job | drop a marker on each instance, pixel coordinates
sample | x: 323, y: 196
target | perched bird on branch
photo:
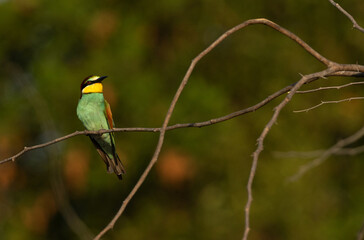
x: 95, y: 114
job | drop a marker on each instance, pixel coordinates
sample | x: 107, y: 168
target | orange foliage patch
x: 102, y: 26
x: 36, y: 217
x: 110, y: 94
x: 7, y: 175
x: 26, y: 6
x: 352, y: 109
x: 175, y: 168
x: 76, y: 169
x: 7, y: 171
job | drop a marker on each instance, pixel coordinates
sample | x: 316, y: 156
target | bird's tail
x: 113, y: 163
x: 117, y: 166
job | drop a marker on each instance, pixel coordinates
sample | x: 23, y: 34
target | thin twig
x: 328, y: 102
x: 325, y: 155
x: 350, y: 151
x: 329, y: 87
x: 355, y: 24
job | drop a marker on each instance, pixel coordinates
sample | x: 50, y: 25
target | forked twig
x: 328, y: 102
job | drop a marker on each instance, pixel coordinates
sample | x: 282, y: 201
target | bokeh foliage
x: 197, y: 189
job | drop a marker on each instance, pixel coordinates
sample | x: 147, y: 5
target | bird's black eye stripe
x: 96, y: 81
x: 90, y: 82
x: 85, y: 84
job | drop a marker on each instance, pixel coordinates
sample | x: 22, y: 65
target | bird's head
x: 92, y: 84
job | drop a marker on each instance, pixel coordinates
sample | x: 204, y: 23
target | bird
x: 95, y: 114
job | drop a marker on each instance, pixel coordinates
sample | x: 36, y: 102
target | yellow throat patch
x: 93, y: 88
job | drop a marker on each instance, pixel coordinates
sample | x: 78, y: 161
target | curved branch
x: 183, y: 84
x: 178, y: 93
x: 332, y: 68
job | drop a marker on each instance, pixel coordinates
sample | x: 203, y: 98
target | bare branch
x: 325, y: 155
x: 263, y: 135
x: 329, y: 102
x: 329, y: 88
x: 355, y: 24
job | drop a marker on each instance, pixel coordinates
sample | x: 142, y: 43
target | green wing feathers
x: 116, y: 163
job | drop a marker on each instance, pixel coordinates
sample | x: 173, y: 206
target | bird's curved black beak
x: 100, y: 79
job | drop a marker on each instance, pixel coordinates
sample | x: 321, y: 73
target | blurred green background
x: 197, y: 189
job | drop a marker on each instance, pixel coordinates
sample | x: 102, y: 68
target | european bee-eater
x: 95, y: 114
